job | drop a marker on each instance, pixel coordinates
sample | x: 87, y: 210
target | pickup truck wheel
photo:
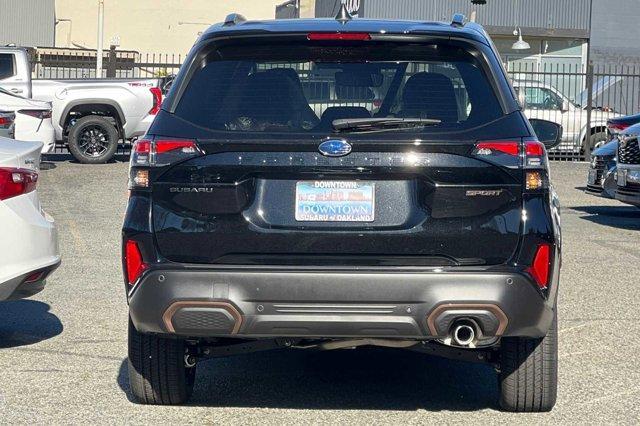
x: 157, y: 371
x: 529, y: 372
x: 93, y: 140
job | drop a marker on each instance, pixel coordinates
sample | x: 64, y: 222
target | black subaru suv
x: 327, y: 184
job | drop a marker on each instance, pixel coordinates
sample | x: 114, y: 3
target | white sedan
x: 32, y: 119
x: 29, y: 249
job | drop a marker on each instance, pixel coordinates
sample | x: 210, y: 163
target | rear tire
x: 157, y: 371
x: 93, y: 140
x: 529, y: 372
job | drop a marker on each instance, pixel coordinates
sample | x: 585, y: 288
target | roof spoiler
x: 234, y: 19
x: 458, y: 20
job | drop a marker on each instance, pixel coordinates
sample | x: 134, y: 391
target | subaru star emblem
x: 335, y: 148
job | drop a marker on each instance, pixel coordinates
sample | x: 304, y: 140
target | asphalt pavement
x: 63, y: 352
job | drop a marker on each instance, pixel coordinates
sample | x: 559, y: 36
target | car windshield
x: 306, y: 88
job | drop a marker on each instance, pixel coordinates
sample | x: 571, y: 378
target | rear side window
x: 7, y: 66
x: 304, y: 88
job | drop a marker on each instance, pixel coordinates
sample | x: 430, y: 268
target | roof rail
x: 458, y: 20
x: 234, y: 19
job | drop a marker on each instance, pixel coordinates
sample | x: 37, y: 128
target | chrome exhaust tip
x: 465, y: 333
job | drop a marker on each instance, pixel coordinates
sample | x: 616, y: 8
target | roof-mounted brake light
x: 339, y: 36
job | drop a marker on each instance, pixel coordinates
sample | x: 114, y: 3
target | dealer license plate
x: 335, y: 201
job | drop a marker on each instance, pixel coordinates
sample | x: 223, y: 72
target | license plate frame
x: 335, y: 201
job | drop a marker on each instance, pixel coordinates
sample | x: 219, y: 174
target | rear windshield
x: 305, y: 88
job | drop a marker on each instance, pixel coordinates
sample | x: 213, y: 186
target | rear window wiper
x: 381, y: 124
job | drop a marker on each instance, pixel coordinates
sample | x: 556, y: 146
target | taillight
x: 40, y: 114
x: 6, y: 119
x: 339, y: 36
x: 498, y: 147
x: 616, y: 127
x: 158, y: 152
x: 533, y: 148
x: 501, y: 152
x: 14, y: 182
x: 536, y: 165
x: 539, y: 270
x: 529, y: 153
x: 184, y: 146
x: 133, y: 261
x: 156, y: 92
x: 161, y: 152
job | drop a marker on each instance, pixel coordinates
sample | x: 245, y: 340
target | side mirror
x: 565, y: 105
x: 548, y: 132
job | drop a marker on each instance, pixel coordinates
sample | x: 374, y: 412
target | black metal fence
x: 551, y: 91
x: 560, y: 93
x: 58, y: 63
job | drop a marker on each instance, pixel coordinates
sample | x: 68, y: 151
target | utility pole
x: 100, y: 38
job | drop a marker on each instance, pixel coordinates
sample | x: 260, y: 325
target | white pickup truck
x: 90, y: 116
x: 545, y: 102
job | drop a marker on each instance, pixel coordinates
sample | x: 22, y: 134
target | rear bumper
x: 29, y: 243
x: 323, y: 304
x: 22, y: 286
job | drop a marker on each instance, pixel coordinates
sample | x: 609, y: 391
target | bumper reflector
x: 133, y: 260
x: 540, y: 268
x: 33, y: 277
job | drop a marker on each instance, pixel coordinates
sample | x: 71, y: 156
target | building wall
x: 150, y: 26
x: 330, y: 8
x: 615, y: 32
x: 536, y: 17
x: 292, y: 9
x: 557, y: 31
x: 28, y: 23
x: 288, y: 10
